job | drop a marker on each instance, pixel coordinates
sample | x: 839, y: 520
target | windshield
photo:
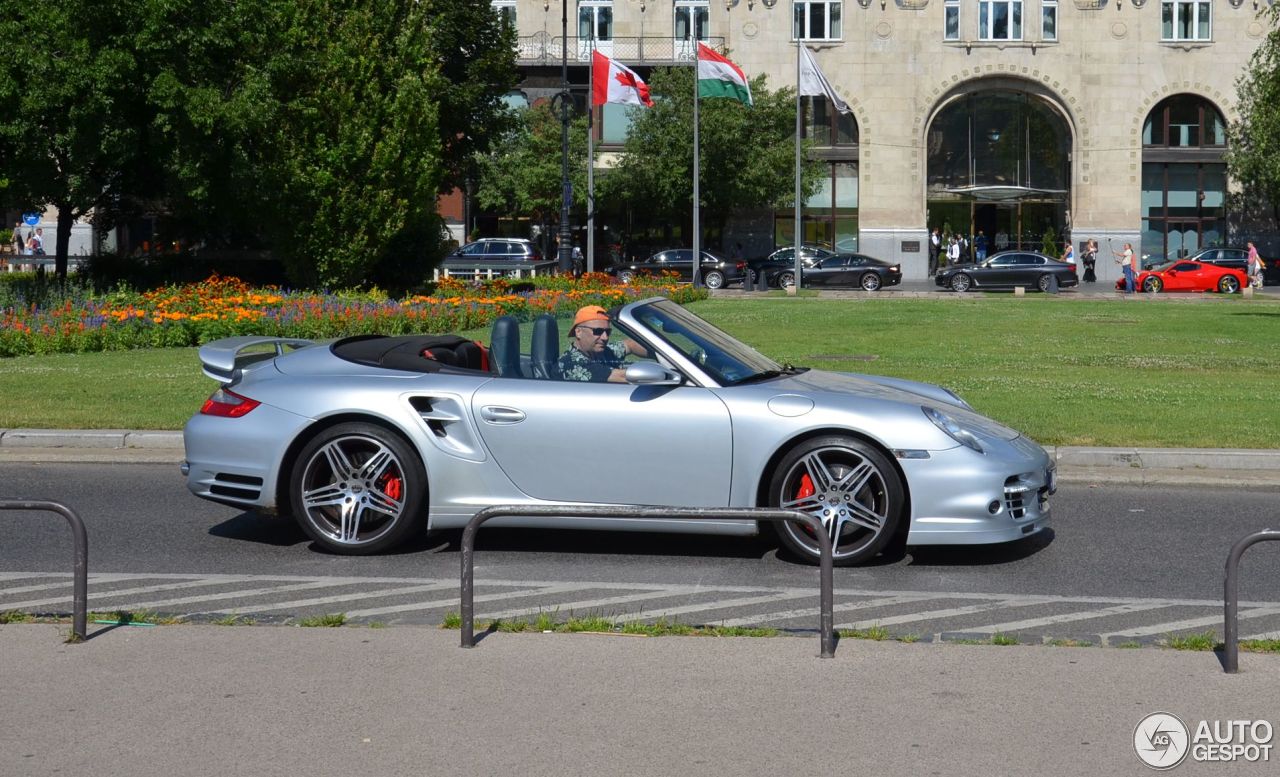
x: 723, y: 358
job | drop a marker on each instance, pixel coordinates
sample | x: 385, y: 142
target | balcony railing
x: 544, y: 49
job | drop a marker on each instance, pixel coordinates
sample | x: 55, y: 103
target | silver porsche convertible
x: 370, y: 440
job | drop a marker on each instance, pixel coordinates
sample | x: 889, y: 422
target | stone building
x: 1017, y: 118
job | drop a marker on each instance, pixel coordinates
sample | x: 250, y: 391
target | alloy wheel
x: 353, y: 490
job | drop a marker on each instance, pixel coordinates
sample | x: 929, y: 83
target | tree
x: 522, y: 175
x: 747, y: 158
x: 1253, y: 142
x: 71, y: 128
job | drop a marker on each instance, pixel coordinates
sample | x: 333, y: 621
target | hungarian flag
x: 613, y: 82
x: 718, y: 77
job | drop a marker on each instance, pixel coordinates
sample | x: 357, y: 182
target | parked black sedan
x: 1006, y: 270
x: 846, y: 271
x: 784, y: 259
x: 716, y: 272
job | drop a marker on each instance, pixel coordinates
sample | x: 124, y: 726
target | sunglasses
x: 597, y: 330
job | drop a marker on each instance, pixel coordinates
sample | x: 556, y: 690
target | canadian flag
x: 613, y: 82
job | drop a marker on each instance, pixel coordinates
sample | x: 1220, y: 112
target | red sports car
x: 1184, y: 275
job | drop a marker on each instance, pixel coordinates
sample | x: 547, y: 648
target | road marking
x: 716, y: 605
x: 326, y: 600
x: 586, y: 604
x: 1033, y: 623
x: 214, y: 597
x: 812, y: 612
x: 457, y: 602
x: 125, y: 592
x: 1264, y: 635
x: 931, y: 614
x: 1193, y: 623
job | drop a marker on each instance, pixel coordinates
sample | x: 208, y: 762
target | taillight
x: 227, y: 404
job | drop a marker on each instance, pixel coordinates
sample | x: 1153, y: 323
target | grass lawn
x: 1070, y: 372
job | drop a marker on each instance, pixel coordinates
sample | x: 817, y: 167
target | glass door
x: 691, y: 26
x: 595, y: 25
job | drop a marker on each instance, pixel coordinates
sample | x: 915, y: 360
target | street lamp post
x: 566, y: 237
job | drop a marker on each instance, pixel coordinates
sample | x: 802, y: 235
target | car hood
x: 836, y: 388
x: 961, y: 266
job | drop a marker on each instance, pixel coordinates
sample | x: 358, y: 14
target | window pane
x: 1152, y: 190
x: 835, y: 21
x: 822, y: 197
x: 682, y: 23
x: 604, y: 25
x: 1217, y: 130
x: 952, y: 29
x: 700, y: 22
x: 1203, y: 29
x: 1049, y: 29
x: 615, y: 122
x: 1184, y: 184
x: 1214, y: 180
x: 846, y: 186
x: 1015, y: 28
x: 797, y: 20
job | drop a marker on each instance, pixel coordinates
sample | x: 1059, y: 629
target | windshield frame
x: 727, y: 361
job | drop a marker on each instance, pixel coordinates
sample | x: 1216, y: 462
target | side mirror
x: 652, y: 374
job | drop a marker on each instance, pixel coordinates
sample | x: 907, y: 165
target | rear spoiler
x: 222, y: 359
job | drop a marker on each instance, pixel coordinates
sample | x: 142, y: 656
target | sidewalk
x: 219, y: 700
x: 1134, y: 466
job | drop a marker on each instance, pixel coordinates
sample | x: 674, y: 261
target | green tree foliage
x: 522, y: 175
x: 1253, y: 142
x: 73, y: 109
x: 747, y: 158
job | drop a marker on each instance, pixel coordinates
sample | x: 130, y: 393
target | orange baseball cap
x: 590, y: 313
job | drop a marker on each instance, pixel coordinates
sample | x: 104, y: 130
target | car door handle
x: 496, y: 414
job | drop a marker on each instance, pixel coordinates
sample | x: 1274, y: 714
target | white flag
x: 814, y: 83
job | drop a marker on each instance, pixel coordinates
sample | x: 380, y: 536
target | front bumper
x: 961, y: 497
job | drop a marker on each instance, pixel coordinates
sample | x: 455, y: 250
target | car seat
x: 504, y: 347
x: 545, y: 349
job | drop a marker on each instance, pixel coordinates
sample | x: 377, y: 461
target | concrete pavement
x: 219, y: 700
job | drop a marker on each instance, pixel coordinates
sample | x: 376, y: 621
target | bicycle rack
x: 825, y: 563
x: 1231, y: 598
x: 80, y: 571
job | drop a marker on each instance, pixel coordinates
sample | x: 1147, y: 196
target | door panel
x: 608, y: 442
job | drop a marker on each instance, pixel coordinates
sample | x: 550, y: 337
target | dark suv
x: 496, y: 249
x: 716, y: 272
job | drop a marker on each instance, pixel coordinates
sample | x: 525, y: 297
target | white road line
x: 212, y: 597
x: 587, y: 604
x: 325, y: 600
x: 1264, y: 635
x: 931, y: 614
x: 457, y: 601
x: 1193, y: 623
x: 123, y: 592
x: 1068, y: 617
x: 720, y: 604
x: 810, y: 612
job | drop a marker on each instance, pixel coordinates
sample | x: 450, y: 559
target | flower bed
x: 221, y: 307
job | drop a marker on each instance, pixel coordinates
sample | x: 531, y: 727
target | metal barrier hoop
x: 80, y: 570
x: 1231, y: 598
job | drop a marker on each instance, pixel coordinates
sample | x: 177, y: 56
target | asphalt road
x: 1121, y: 563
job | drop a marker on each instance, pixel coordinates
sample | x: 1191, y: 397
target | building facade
x: 1031, y: 121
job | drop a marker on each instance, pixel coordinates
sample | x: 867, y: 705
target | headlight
x: 953, y: 428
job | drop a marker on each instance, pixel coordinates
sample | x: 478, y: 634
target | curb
x: 93, y: 439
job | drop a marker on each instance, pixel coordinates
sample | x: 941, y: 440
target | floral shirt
x: 576, y: 365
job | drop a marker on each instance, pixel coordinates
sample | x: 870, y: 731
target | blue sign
x: 31, y: 219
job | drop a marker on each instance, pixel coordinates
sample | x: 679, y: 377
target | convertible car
x: 1186, y: 275
x: 370, y: 440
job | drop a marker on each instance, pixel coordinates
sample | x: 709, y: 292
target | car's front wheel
x: 1152, y: 285
x: 358, y: 489
x: 1043, y: 282
x: 713, y: 279
x: 850, y: 487
x: 626, y: 276
x: 870, y: 282
x: 961, y: 282
x: 1228, y: 284
x: 786, y: 279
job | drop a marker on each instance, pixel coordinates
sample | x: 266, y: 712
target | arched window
x: 1184, y: 177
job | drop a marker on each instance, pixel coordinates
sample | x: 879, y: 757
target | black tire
x: 1152, y: 285
x: 786, y: 279
x: 626, y: 276
x: 1042, y: 283
x: 366, y: 469
x: 861, y: 501
x: 1228, y: 284
x: 713, y: 279
x: 961, y: 282
x: 870, y: 282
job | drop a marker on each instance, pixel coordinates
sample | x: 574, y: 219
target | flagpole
x: 795, y: 286
x: 697, y: 195
x: 591, y: 157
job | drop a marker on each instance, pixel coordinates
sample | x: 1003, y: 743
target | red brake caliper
x: 806, y: 489
x: 392, y: 486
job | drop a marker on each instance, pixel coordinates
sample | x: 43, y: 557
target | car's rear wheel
x: 713, y: 279
x: 1042, y: 283
x: 1152, y: 285
x: 358, y: 489
x: 961, y: 282
x: 848, y: 485
x: 786, y: 279
x: 870, y: 282
x: 1228, y: 284
x: 626, y: 276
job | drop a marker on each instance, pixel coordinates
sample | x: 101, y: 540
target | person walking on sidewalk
x: 1128, y: 262
x: 1090, y: 258
x: 1254, y: 265
x: 935, y: 247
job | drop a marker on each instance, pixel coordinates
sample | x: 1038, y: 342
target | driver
x: 591, y: 356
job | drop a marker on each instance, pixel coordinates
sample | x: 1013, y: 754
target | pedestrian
x: 1069, y: 255
x: 19, y: 245
x: 1090, y: 258
x: 1255, y: 266
x: 964, y: 246
x: 953, y: 251
x: 935, y: 247
x: 980, y: 246
x: 38, y: 249
x: 1128, y: 262
x: 578, y: 265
